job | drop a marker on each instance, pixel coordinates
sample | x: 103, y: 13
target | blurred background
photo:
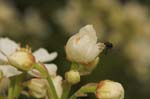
x: 125, y: 23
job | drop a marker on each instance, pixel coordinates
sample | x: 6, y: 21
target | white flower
x: 83, y: 47
x: 8, y: 47
x: 109, y: 90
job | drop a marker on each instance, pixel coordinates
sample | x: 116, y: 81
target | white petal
x: 88, y: 30
x: 3, y: 59
x: 8, y: 46
x: 9, y: 71
x: 52, y: 69
x: 42, y: 55
x: 58, y: 85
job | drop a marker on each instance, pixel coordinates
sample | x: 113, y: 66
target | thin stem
x: 74, y: 66
x: 84, y: 90
x: 10, y: 89
x: 67, y: 88
x: 10, y: 92
x: 49, y: 96
x: 17, y: 85
x: 54, y: 94
x: 49, y: 91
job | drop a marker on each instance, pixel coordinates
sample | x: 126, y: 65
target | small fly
x: 108, y: 46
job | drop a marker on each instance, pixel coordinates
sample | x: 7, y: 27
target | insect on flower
x: 108, y: 46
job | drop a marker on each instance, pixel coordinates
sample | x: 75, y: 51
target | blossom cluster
x: 30, y: 73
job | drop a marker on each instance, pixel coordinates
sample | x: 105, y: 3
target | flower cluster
x: 16, y: 61
x: 29, y: 73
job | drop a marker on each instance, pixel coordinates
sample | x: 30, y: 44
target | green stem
x: 67, y: 88
x: 53, y: 90
x: 17, y: 86
x: 49, y: 95
x: 10, y: 92
x: 84, y: 90
x: 45, y: 74
x: 10, y: 89
x: 74, y: 66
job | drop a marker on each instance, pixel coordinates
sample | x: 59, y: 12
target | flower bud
x: 83, y: 47
x: 72, y: 76
x: 37, y: 87
x: 22, y: 59
x: 109, y: 90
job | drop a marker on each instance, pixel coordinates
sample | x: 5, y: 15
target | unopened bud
x: 72, y: 76
x: 109, y: 90
x: 83, y: 47
x: 37, y: 87
x: 22, y: 59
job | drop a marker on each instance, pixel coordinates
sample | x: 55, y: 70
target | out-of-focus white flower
x: 83, y: 47
x: 109, y: 90
x: 32, y: 17
x: 70, y: 16
x: 72, y: 76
